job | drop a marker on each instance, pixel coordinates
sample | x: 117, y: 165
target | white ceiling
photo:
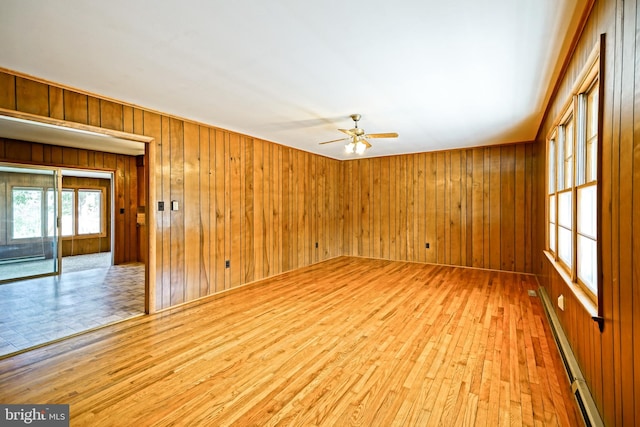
x: 443, y: 74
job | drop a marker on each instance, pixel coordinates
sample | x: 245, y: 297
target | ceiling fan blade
x: 334, y: 140
x: 382, y: 135
x: 365, y: 142
x: 348, y: 132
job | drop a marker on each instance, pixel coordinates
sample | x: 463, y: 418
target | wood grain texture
x: 390, y: 343
x: 230, y: 208
x: 467, y: 204
x: 609, y: 360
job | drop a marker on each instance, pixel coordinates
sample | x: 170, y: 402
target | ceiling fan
x: 358, y: 138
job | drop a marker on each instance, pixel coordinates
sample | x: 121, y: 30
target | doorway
x: 78, y: 301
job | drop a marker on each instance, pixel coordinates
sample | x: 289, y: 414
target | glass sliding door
x: 29, y: 225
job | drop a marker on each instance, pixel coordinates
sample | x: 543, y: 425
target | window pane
x: 552, y: 208
x: 587, y: 211
x: 68, y: 212
x: 560, y: 160
x: 564, y: 209
x: 89, y: 211
x: 587, y: 263
x: 552, y: 166
x: 564, y: 245
x: 592, y: 134
x: 27, y: 212
x: 568, y: 154
x: 552, y: 237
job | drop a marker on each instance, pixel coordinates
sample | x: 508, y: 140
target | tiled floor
x: 37, y: 311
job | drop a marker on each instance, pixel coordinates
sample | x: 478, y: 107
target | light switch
x: 174, y: 205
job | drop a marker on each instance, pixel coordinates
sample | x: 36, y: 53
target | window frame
x: 103, y: 212
x: 43, y: 218
x: 577, y: 106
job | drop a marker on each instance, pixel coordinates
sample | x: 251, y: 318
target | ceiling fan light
x: 350, y: 147
x: 360, y: 147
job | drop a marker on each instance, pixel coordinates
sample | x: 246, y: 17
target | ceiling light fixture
x: 355, y: 146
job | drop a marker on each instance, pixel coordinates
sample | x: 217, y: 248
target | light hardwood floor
x: 349, y: 341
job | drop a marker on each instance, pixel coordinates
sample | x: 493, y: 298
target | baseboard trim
x: 579, y: 386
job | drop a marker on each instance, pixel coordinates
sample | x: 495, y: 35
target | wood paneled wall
x: 260, y: 206
x: 125, y: 182
x: 473, y: 207
x: 609, y: 360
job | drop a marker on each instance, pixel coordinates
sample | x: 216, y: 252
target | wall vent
x: 579, y: 387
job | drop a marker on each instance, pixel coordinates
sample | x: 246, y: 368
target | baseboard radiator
x: 578, y: 384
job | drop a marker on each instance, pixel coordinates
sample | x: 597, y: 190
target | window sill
x: 585, y: 300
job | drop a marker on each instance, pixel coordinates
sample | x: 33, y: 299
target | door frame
x: 149, y: 183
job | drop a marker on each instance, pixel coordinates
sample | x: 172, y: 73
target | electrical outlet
x: 561, y: 302
x: 227, y: 264
x: 160, y: 206
x: 316, y: 245
x: 426, y: 246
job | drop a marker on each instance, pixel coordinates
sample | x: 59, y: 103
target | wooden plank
x: 354, y: 226
x: 127, y: 119
x: 258, y: 209
x: 32, y: 97
x: 635, y: 285
x: 507, y: 212
x: 132, y: 208
x: 120, y: 237
x: 495, y: 197
x: 222, y: 209
x: 528, y: 220
x: 207, y: 217
x: 270, y: 218
x: 447, y: 207
x: 56, y: 103
x: 287, y: 194
x: 467, y: 208
x: 193, y: 224
x: 455, y: 206
x: 248, y: 213
x: 7, y: 91
x: 626, y: 213
x: 311, y: 192
x: 364, y: 179
x: 76, y: 107
x: 410, y: 230
x: 235, y: 195
x: 276, y: 178
x: 441, y: 244
x: 431, y: 207
x: 94, y: 113
x: 486, y: 186
x: 403, y: 203
x: 519, y: 199
x: 384, y: 208
x: 111, y: 115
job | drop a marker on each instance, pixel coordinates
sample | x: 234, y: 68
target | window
x: 27, y: 212
x: 89, y: 211
x: 572, y: 196
x: 83, y: 212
